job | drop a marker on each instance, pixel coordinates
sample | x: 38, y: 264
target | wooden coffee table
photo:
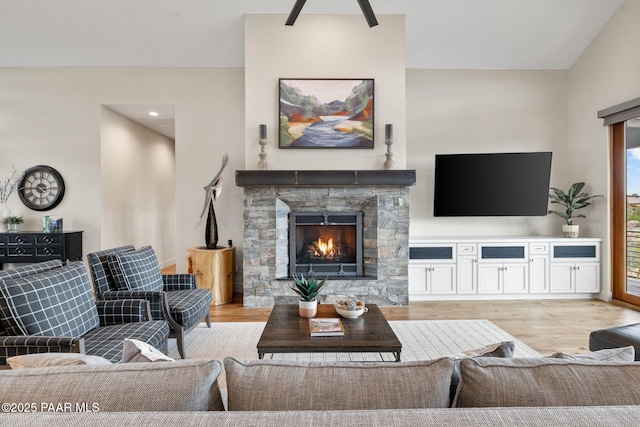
x: 287, y: 332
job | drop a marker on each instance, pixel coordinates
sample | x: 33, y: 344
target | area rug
x: 421, y: 340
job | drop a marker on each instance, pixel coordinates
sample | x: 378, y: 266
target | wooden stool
x: 215, y: 270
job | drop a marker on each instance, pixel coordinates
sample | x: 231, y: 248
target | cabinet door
x: 443, y: 279
x: 418, y: 279
x: 489, y: 278
x: 539, y: 274
x: 467, y: 274
x: 561, y: 278
x: 587, y: 277
x: 515, y: 278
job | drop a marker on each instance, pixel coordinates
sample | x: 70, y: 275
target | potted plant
x: 7, y: 187
x: 308, y: 289
x: 13, y: 223
x: 572, y: 201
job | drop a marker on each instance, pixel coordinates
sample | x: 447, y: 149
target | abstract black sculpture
x: 213, y: 190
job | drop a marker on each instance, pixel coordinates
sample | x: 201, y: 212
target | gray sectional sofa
x: 493, y: 391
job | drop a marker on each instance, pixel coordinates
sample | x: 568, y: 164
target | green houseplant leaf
x: 13, y: 220
x: 572, y: 201
x: 307, y: 289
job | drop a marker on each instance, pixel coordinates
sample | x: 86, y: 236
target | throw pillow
x: 8, y: 325
x: 136, y: 270
x: 541, y: 382
x: 40, y: 360
x: 500, y: 349
x: 621, y: 354
x: 55, y: 303
x: 281, y: 385
x: 139, y: 351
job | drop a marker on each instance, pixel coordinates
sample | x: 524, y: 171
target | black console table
x: 31, y: 247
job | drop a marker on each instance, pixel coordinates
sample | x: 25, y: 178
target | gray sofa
x: 268, y: 392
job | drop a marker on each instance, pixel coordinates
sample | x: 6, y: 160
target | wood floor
x: 545, y: 325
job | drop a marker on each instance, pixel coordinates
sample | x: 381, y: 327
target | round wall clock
x: 42, y: 188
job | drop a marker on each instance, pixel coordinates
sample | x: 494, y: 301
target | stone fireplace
x: 349, y: 226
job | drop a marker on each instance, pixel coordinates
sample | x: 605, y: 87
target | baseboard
x: 167, y: 263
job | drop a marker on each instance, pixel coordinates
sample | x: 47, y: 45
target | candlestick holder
x: 388, y: 140
x: 262, y: 140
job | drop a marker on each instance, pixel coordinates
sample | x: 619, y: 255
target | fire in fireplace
x: 328, y: 244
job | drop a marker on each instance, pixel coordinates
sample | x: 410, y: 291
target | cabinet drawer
x: 565, y: 252
x: 19, y: 251
x: 21, y: 239
x: 431, y: 253
x: 538, y: 248
x: 49, y: 251
x: 49, y: 239
x: 515, y: 252
x: 467, y: 249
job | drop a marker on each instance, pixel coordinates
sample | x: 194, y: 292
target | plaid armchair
x: 48, y: 307
x: 127, y: 273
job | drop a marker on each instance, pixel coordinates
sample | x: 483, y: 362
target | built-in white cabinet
x: 502, y: 278
x: 489, y: 268
x: 538, y: 267
x: 433, y: 270
x: 575, y: 267
x: 467, y: 268
x: 503, y: 268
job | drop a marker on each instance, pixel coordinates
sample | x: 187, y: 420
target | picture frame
x: 326, y: 113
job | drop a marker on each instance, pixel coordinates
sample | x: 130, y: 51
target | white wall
x: 474, y: 111
x: 606, y: 74
x: 138, y: 187
x: 324, y: 46
x: 53, y: 116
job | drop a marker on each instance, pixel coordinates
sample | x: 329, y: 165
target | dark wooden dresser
x: 30, y: 247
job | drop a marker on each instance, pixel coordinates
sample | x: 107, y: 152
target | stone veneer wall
x: 385, y: 213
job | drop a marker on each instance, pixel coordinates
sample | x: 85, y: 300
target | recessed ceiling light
x: 153, y: 113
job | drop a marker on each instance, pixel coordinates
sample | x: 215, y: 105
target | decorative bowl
x: 350, y: 314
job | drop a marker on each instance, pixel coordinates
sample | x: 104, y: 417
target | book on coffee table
x: 327, y: 327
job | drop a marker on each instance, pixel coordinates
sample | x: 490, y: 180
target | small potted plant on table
x: 308, y: 289
x: 572, y: 201
x: 13, y: 223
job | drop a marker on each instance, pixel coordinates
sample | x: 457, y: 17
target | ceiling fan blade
x: 368, y: 13
x: 295, y: 12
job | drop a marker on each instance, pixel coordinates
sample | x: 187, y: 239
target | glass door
x: 632, y: 151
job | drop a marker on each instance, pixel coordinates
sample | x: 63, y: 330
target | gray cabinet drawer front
x: 55, y: 251
x: 49, y: 239
x: 440, y: 252
x: 19, y: 251
x: 580, y: 251
x: 21, y: 239
x: 503, y: 252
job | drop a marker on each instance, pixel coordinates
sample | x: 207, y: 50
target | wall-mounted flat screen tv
x: 492, y: 184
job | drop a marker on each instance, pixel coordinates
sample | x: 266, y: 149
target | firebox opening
x: 326, y: 244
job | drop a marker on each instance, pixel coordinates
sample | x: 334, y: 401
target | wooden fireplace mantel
x: 268, y: 178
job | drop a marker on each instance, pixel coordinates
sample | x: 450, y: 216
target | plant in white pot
x: 572, y: 201
x: 308, y: 289
x: 13, y: 223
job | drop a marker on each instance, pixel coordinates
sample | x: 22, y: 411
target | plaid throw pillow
x: 8, y: 325
x: 136, y: 270
x: 59, y: 302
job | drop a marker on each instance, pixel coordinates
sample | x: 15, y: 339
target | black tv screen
x: 492, y: 184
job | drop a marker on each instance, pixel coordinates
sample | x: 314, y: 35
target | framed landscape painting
x: 326, y: 113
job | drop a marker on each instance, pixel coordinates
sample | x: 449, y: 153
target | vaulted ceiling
x: 473, y: 34
x: 463, y: 34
